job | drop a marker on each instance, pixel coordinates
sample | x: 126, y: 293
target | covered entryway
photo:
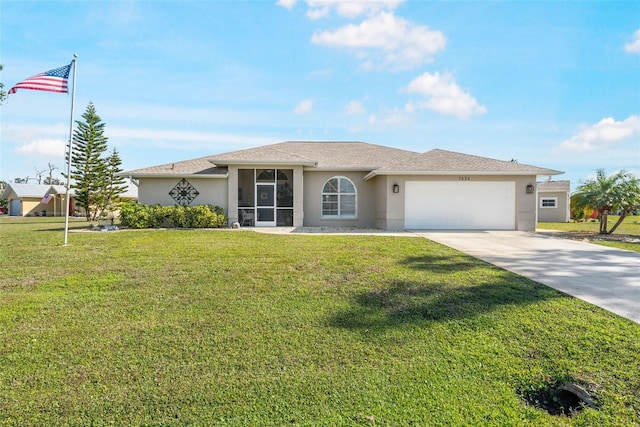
x: 460, y: 205
x: 265, y: 197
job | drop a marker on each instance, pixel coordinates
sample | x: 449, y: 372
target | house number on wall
x: 464, y: 178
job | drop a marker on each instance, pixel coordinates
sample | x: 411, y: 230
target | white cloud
x: 402, y: 44
x: 634, y: 46
x: 443, y: 95
x: 35, y: 145
x: 126, y: 134
x: 348, y: 9
x: 410, y: 107
x: 287, y: 4
x: 304, y: 107
x: 396, y: 118
x: 601, y: 135
x: 46, y: 147
x: 355, y: 108
x: 390, y: 117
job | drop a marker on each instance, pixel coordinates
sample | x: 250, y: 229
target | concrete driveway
x: 606, y: 277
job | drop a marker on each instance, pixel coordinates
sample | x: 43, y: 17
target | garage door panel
x: 465, y: 205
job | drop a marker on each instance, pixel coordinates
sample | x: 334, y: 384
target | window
x: 548, y: 202
x: 339, y: 198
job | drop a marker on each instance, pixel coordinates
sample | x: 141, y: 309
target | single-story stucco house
x: 351, y: 184
x: 554, y: 201
x: 29, y: 199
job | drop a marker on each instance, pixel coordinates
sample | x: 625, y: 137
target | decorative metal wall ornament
x: 184, y: 193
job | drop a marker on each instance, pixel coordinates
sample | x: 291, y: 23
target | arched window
x: 339, y: 198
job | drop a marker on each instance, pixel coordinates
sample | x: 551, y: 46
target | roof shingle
x: 443, y: 161
x: 377, y: 159
x: 321, y: 155
x: 554, y: 186
x: 199, y: 166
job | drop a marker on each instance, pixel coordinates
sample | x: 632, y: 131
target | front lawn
x: 626, y: 236
x: 210, y: 327
x: 630, y: 225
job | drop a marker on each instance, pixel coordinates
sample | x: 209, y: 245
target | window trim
x: 546, y: 199
x: 340, y: 215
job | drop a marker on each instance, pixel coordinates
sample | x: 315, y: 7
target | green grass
x: 193, y: 327
x: 629, y: 227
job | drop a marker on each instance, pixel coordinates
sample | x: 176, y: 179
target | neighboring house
x: 554, y: 201
x: 352, y: 184
x: 29, y: 199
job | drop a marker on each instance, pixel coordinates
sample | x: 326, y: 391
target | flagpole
x: 70, y: 149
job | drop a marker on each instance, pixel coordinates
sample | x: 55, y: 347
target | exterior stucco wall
x: 31, y: 206
x: 392, y: 218
x: 389, y: 205
x: 526, y: 214
x: 366, y: 207
x: 558, y: 214
x: 377, y: 205
x: 212, y: 191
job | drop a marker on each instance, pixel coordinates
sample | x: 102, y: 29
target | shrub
x: 159, y: 216
x: 178, y: 217
x: 134, y: 215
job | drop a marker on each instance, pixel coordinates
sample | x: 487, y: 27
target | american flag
x: 47, y: 198
x: 51, y: 81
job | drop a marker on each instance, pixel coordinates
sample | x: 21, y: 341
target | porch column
x: 232, y: 194
x: 298, y: 197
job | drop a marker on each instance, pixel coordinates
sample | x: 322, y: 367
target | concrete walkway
x: 603, y: 276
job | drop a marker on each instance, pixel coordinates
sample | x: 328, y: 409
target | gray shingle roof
x: 554, y: 186
x: 377, y: 159
x: 446, y: 162
x: 320, y: 155
x: 199, y: 166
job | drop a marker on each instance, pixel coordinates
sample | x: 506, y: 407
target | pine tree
x: 115, y: 184
x: 88, y: 167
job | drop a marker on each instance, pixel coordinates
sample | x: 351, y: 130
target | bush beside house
x: 134, y: 215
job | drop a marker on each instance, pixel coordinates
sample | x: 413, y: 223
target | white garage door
x: 460, y: 205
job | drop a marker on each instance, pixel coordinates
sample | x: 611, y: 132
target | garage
x: 460, y: 205
x: 15, y: 208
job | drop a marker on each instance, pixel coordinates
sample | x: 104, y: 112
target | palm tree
x: 606, y: 194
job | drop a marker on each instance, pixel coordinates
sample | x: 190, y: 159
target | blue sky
x: 553, y: 84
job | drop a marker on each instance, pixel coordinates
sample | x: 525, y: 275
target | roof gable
x: 318, y: 154
x: 199, y: 166
x: 268, y: 154
x: 27, y: 190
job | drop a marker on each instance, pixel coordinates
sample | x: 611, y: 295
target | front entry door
x: 265, y: 205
